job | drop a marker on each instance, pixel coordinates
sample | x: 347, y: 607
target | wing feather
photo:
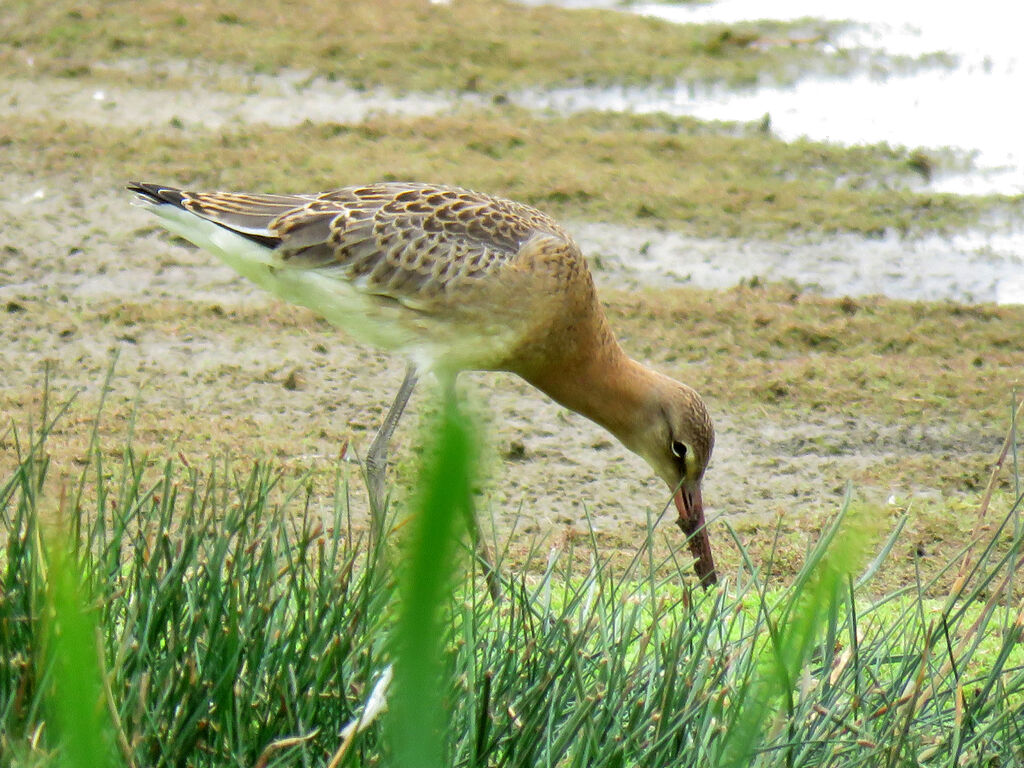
x: 407, y: 241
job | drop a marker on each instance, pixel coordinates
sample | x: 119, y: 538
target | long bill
x: 691, y: 521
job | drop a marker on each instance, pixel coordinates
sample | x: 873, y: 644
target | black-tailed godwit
x: 456, y: 280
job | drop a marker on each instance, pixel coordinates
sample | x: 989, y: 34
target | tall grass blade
x: 417, y: 720
x: 78, y: 724
x: 794, y: 628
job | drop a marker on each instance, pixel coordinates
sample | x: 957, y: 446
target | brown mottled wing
x: 396, y: 239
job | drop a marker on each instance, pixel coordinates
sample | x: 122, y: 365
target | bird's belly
x: 436, y: 340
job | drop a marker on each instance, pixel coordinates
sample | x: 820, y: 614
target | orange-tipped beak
x: 691, y: 520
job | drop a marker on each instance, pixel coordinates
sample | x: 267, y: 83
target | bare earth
x: 211, y: 365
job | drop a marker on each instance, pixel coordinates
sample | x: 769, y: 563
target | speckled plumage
x: 412, y: 242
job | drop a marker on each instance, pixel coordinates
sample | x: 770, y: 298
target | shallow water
x: 216, y: 99
x: 973, y: 105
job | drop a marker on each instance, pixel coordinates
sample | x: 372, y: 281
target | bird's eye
x: 679, y: 450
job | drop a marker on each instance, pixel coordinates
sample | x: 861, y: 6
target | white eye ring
x: 679, y: 449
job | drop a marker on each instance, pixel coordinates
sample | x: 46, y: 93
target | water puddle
x: 969, y: 267
x: 972, y: 105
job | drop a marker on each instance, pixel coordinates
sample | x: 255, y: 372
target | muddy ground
x: 847, y: 393
x: 208, y: 366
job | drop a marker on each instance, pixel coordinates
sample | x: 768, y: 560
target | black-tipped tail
x: 246, y: 215
x: 154, y: 193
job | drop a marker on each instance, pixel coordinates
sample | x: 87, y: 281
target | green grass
x: 78, y: 723
x: 241, y: 621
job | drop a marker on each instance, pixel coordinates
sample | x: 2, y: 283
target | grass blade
x: 416, y: 724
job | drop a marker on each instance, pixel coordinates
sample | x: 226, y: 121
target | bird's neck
x: 605, y: 385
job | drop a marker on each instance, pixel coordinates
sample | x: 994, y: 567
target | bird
x: 454, y: 280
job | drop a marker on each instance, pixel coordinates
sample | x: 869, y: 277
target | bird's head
x: 676, y: 438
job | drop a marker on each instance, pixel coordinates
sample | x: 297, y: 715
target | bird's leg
x: 377, y: 457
